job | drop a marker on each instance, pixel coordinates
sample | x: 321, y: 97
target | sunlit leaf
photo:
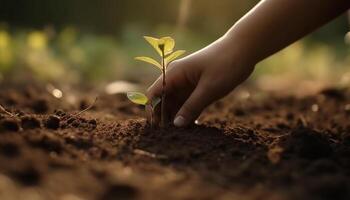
x: 173, y: 56
x: 150, y: 61
x: 137, y: 97
x: 154, y: 42
x: 169, y: 44
x: 155, y: 101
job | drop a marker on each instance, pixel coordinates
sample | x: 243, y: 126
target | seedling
x: 165, y: 48
x: 141, y: 99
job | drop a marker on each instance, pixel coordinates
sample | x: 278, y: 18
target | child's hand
x: 209, y: 74
x: 199, y: 79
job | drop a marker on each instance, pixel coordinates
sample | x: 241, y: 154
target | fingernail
x: 179, y: 121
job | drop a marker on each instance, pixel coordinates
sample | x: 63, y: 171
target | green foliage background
x: 95, y: 41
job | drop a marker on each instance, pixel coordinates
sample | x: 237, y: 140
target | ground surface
x: 251, y: 148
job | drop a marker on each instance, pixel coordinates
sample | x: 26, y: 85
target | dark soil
x: 254, y: 148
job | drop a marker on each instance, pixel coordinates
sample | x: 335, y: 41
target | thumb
x: 193, y: 106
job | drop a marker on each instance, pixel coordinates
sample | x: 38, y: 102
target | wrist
x: 237, y: 51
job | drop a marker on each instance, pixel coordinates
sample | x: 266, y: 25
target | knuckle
x: 173, y: 64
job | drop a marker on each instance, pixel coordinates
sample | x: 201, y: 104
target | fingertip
x: 179, y: 121
x: 183, y: 117
x: 192, y: 107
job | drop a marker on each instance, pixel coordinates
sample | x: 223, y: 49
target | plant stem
x: 163, y: 111
x: 86, y: 109
x: 152, y: 122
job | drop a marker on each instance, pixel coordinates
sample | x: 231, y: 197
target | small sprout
x: 155, y: 102
x: 165, y: 48
x: 141, y: 99
x: 137, y: 98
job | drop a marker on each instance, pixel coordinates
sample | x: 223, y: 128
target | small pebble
x: 93, y: 122
x: 9, y: 125
x: 59, y: 113
x: 347, y: 107
x: 314, y: 108
x: 53, y: 122
x: 76, y: 124
x: 29, y: 122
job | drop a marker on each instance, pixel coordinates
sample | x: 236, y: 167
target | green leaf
x: 155, y: 101
x: 154, y: 42
x: 137, y: 98
x: 149, y: 60
x: 167, y: 42
x: 173, y: 56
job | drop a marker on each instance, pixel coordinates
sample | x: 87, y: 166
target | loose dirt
x: 254, y: 148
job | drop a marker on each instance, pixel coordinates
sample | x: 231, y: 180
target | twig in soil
x: 149, y: 154
x: 86, y: 109
x: 82, y: 111
x: 7, y: 112
x: 303, y: 121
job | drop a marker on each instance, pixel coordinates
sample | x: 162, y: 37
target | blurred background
x: 93, y: 43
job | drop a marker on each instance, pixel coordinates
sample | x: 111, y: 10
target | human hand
x: 196, y: 81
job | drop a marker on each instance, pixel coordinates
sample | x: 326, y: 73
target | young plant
x: 165, y: 48
x: 141, y: 99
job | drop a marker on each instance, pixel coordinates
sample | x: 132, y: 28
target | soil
x: 254, y: 148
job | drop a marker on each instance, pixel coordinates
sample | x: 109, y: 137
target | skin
x: 203, y: 77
